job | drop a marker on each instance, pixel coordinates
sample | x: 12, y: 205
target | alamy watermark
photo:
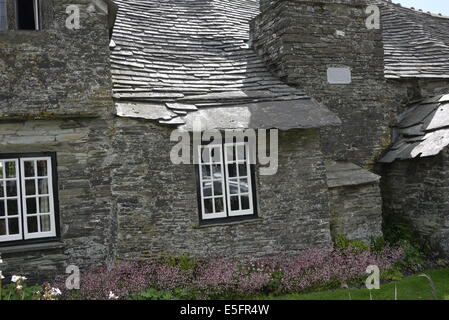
x: 262, y: 146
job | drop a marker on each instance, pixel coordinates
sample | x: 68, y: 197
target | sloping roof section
x: 174, y: 58
x: 344, y: 174
x: 422, y: 130
x: 416, y: 43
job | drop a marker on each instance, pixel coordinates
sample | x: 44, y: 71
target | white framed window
x: 212, y: 182
x: 27, y: 198
x: 10, y: 209
x: 238, y: 179
x: 225, y: 181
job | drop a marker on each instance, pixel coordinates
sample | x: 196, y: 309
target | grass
x: 411, y: 288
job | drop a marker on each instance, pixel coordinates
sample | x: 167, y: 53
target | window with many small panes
x: 27, y: 198
x: 226, y: 181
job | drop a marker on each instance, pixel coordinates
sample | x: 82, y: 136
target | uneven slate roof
x: 343, y: 174
x: 422, y: 130
x: 416, y: 43
x: 171, y: 58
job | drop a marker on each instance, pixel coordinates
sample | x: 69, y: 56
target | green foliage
x: 397, y: 228
x: 411, y: 288
x: 342, y: 244
x: 153, y: 294
x: 413, y: 258
x: 184, y: 262
x: 9, y: 292
x: 391, y: 275
x: 275, y: 283
x: 378, y: 244
x: 398, y: 231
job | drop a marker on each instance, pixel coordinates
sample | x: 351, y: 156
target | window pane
x: 205, y: 170
x: 12, y: 208
x: 218, y: 190
x: 11, y: 188
x: 234, y: 203
x: 208, y: 208
x: 26, y: 15
x: 241, y: 152
x: 242, y: 170
x: 44, y: 205
x: 29, y: 169
x: 13, y: 226
x: 245, y: 202
x: 2, y: 208
x: 45, y: 223
x: 42, y: 186
x: 2, y: 227
x: 216, y: 154
x: 31, y: 206
x: 243, y: 185
x: 233, y: 187
x: 2, y: 192
x: 207, y: 189
x: 30, y: 187
x: 1, y: 163
x: 218, y: 204
x: 216, y: 168
x: 230, y: 154
x: 32, y: 224
x: 42, y: 168
x: 10, y: 168
x: 232, y: 170
x: 205, y: 155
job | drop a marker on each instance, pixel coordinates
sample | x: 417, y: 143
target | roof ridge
x: 435, y: 15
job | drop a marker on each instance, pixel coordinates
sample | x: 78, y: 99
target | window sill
x: 230, y: 223
x: 32, y: 247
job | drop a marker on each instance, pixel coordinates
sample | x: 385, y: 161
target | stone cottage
x: 95, y: 96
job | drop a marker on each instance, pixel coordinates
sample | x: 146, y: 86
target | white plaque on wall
x: 339, y: 75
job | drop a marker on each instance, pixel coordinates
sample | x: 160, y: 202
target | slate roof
x: 171, y: 58
x: 421, y: 131
x: 343, y: 174
x: 416, y: 43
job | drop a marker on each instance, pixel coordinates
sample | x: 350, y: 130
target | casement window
x: 3, y: 15
x: 226, y: 182
x: 28, y: 14
x: 28, y: 201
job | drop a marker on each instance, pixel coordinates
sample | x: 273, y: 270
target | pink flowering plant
x: 221, y: 277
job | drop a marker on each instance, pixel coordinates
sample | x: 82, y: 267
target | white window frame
x: 49, y: 177
x: 19, y: 236
x: 224, y: 162
x: 240, y: 212
x: 215, y: 215
x: 36, y: 14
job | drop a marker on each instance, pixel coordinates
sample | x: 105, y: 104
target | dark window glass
x: 27, y: 19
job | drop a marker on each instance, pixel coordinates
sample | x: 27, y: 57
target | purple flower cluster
x: 226, y: 277
x: 314, y: 268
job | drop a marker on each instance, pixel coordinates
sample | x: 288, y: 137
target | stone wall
x: 407, y: 90
x: 56, y: 71
x: 417, y: 190
x: 355, y: 202
x: 157, y: 205
x: 300, y: 40
x: 356, y: 212
x: 87, y: 225
x: 55, y: 96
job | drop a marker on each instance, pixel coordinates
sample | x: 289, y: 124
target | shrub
x: 217, y: 278
x: 342, y: 243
